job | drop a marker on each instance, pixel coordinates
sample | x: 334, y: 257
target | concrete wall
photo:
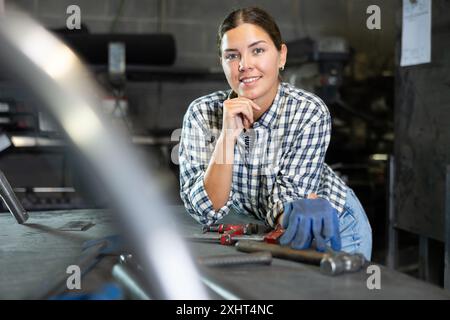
x: 194, y: 22
x: 422, y: 134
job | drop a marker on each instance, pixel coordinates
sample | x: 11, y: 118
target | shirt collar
x: 268, y: 118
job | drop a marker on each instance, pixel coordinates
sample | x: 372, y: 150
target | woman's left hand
x: 308, y: 219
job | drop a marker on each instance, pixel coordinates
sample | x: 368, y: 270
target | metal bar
x: 264, y: 258
x: 129, y: 274
x: 130, y: 281
x: 392, y: 252
x: 215, y: 238
x: 12, y: 202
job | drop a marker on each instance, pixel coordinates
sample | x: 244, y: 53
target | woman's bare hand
x: 237, y: 115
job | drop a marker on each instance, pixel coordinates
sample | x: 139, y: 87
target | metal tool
x: 331, y: 263
x: 131, y: 282
x: 226, y: 239
x: 341, y: 262
x: 249, y: 228
x: 231, y: 237
x: 274, y: 235
x: 129, y: 273
x: 264, y: 258
x: 277, y: 251
x: 10, y: 199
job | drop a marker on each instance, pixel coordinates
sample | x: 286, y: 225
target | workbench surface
x: 31, y: 256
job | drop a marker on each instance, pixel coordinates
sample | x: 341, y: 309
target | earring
x: 281, y: 68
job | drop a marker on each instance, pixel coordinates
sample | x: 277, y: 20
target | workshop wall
x: 194, y: 23
x: 159, y: 106
x: 422, y: 133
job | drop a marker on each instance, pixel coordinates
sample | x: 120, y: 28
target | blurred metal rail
x: 47, y: 67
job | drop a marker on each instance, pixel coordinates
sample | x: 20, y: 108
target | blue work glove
x: 305, y: 219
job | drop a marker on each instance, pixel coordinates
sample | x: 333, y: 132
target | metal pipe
x: 263, y: 258
x: 130, y: 282
x: 10, y: 199
x: 63, y: 86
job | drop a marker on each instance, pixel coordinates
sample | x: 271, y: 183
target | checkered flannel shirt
x: 280, y: 159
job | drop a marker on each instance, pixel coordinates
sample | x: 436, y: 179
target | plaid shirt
x: 280, y: 160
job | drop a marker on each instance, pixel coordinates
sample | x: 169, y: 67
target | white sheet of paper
x: 416, y: 32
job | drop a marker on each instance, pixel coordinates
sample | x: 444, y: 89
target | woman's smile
x: 249, y: 81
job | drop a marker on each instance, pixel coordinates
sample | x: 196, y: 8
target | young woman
x: 259, y: 147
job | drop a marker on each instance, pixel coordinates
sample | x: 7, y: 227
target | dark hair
x: 253, y: 15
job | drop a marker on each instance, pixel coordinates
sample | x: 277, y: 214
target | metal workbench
x: 31, y: 255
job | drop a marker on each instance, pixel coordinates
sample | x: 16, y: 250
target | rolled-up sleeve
x: 301, y: 166
x: 195, y: 151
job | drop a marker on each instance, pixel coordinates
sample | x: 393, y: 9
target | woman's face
x: 251, y: 62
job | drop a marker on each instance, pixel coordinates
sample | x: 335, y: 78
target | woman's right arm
x: 237, y: 115
x: 206, y: 170
x: 219, y: 174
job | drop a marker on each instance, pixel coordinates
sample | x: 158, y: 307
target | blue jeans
x: 354, y: 227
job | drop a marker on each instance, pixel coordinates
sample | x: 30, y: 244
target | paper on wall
x: 416, y: 32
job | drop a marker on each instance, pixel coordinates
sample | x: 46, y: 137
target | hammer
x: 331, y: 263
x: 341, y: 262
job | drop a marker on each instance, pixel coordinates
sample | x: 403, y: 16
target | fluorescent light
x: 379, y: 157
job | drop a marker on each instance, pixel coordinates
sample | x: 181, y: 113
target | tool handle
x: 227, y: 239
x: 273, y: 236
x: 236, y: 229
x: 222, y: 228
x: 247, y: 229
x: 264, y: 258
x: 307, y: 256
